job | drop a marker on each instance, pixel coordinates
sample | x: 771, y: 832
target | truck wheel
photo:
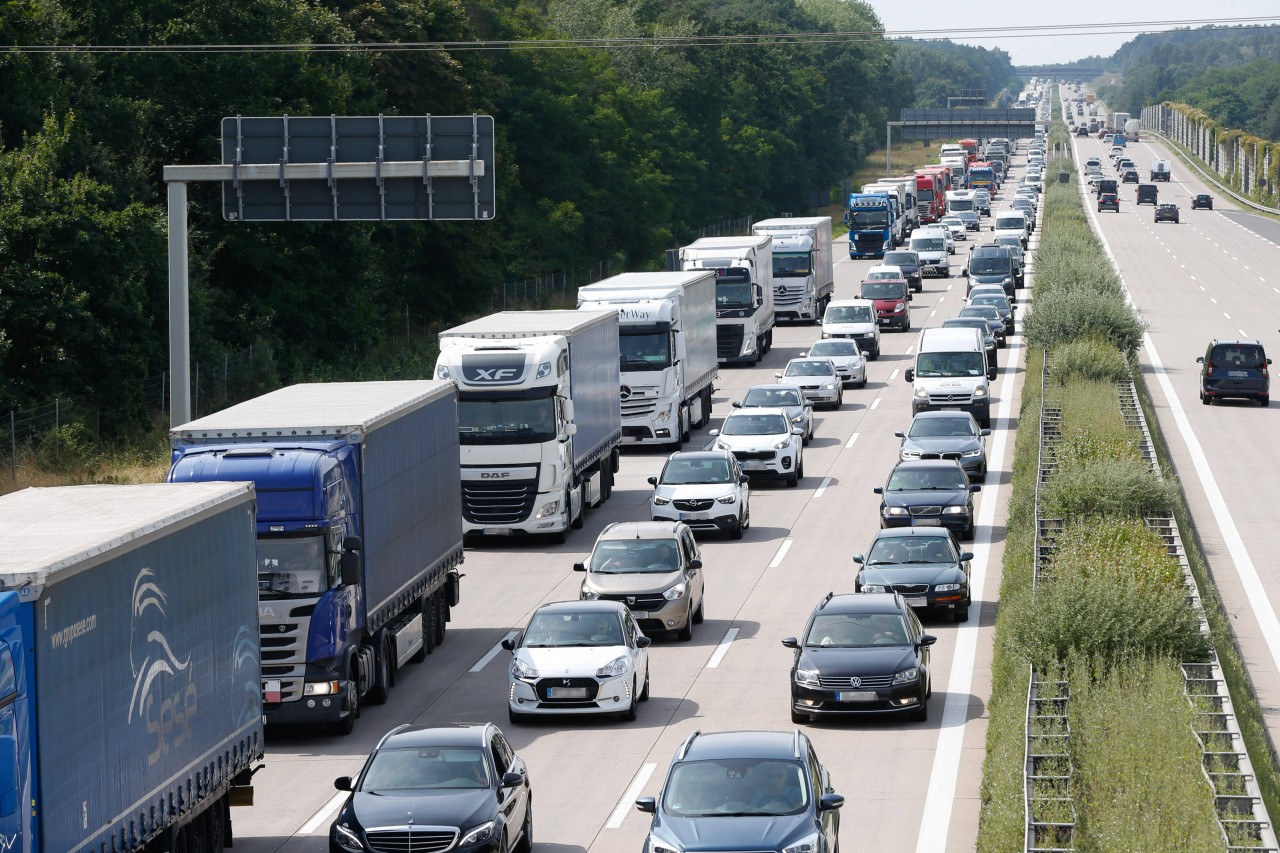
x: 347, y: 725
x: 428, y: 609
x: 442, y: 618
x: 381, y: 675
x: 683, y: 419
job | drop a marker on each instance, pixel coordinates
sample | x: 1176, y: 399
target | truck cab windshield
x: 733, y: 295
x: 644, y: 351
x: 868, y: 219
x: 792, y: 264
x: 956, y: 204
x: 292, y: 567
x: 509, y: 421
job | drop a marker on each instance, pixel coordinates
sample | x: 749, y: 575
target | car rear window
x: 1238, y: 355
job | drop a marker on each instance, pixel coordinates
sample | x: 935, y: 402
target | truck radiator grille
x: 787, y: 297
x: 411, y: 840
x: 638, y: 408
x: 496, y: 504
x: 869, y: 242
x: 728, y: 341
x: 284, y: 652
x: 950, y: 399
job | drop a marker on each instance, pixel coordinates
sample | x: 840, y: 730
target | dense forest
x: 1231, y: 73
x: 938, y: 69
x: 602, y: 153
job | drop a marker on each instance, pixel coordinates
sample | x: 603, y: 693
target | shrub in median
x: 1089, y: 358
x: 1061, y: 316
x: 1107, y: 487
x: 1104, y: 549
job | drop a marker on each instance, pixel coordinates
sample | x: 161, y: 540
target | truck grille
x: 411, y: 840
x: 869, y: 242
x: 728, y: 341
x: 498, y: 503
x: 284, y: 648
x: 787, y: 297
x: 637, y: 408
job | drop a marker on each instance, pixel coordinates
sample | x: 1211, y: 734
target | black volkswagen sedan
x: 928, y: 493
x: 923, y: 564
x: 469, y: 791
x: 861, y: 653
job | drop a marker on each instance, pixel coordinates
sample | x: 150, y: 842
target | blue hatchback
x: 744, y: 791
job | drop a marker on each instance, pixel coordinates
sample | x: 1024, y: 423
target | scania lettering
x: 745, y: 312
x: 667, y: 350
x: 803, y: 268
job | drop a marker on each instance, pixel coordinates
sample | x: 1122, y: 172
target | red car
x: 892, y: 298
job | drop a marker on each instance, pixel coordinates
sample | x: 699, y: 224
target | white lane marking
x: 1246, y: 266
x: 782, y: 552
x: 326, y: 811
x: 913, y: 346
x: 628, y: 801
x: 1214, y: 301
x: 826, y: 481
x: 949, y: 286
x: 1202, y: 290
x: 875, y: 403
x: 1242, y: 333
x: 721, y: 648
x: 931, y: 313
x: 1225, y: 314
x: 491, y: 654
x: 941, y: 298
x: 936, y: 824
x: 894, y: 375
x: 853, y: 438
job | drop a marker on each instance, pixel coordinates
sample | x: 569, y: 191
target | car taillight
x: 1208, y: 368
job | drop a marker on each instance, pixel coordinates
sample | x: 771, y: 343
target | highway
x: 909, y: 786
x: 1215, y: 274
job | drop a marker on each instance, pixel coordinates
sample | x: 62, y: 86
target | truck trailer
x: 359, y: 533
x: 538, y: 418
x: 744, y: 293
x: 804, y: 278
x: 130, y: 699
x: 667, y: 349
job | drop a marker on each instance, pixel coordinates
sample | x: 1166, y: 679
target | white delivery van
x: 856, y: 319
x: 930, y: 244
x: 1011, y: 223
x: 951, y: 373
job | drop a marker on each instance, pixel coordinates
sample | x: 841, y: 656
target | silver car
x: 947, y: 434
x: 786, y: 397
x: 817, y: 379
x: 845, y: 355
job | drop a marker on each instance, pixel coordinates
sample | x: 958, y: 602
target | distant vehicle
x: 845, y: 355
x: 922, y: 563
x: 1231, y: 368
x: 817, y: 379
x: 1167, y: 212
x: 1000, y: 302
x: 1161, y: 170
x: 954, y: 224
x: 1129, y: 176
x: 1147, y: 194
x: 1109, y: 201
x: 892, y: 300
x: 993, y: 318
x: 786, y: 397
x: 856, y: 319
x: 706, y: 490
x: 1082, y: 130
x: 1202, y: 200
x: 908, y: 261
x: 988, y: 339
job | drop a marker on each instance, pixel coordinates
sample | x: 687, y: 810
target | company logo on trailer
x: 165, y: 702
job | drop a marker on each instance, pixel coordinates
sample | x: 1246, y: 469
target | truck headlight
x: 676, y: 592
x: 549, y: 509
x: 520, y: 669
x: 663, y: 415
x: 614, y: 668
x: 321, y: 688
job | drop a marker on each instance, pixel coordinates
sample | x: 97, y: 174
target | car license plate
x: 1241, y: 373
x: 754, y: 465
x: 271, y: 691
x: 927, y: 522
x: 566, y: 693
x: 857, y: 696
x: 639, y: 614
x: 694, y: 516
x: 917, y: 601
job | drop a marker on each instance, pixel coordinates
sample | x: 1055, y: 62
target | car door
x: 820, y: 778
x: 693, y: 576
x: 639, y: 657
x: 512, y: 802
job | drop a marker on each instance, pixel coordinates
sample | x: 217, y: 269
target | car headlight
x: 477, y: 835
x: 614, y: 668
x: 907, y: 676
x: 808, y: 844
x: 980, y: 391
x: 899, y: 308
x: 590, y: 594
x: 972, y: 454
x: 798, y: 419
x: 549, y: 509
x: 955, y: 510
x: 922, y: 392
x: 657, y: 845
x: 347, y: 839
x: 895, y: 510
x: 676, y: 592
x: 910, y: 454
x: 1007, y: 280
x: 807, y: 677
x: 947, y: 587
x: 874, y: 587
x: 520, y: 669
x: 658, y: 500
x: 828, y: 387
x: 720, y: 445
x: 782, y: 445
x: 727, y: 499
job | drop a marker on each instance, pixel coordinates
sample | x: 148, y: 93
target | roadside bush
x: 1139, y: 785
x: 1107, y: 548
x: 1107, y: 487
x: 1093, y: 426
x: 1088, y: 358
x: 1061, y: 316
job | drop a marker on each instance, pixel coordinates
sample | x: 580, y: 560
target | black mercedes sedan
x: 922, y: 564
x: 456, y: 787
x: 928, y: 493
x: 861, y: 653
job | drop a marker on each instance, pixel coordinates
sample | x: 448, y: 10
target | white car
x: 817, y: 379
x: 578, y: 657
x: 956, y: 226
x: 765, y: 441
x: 845, y: 355
x: 705, y: 489
x: 856, y: 319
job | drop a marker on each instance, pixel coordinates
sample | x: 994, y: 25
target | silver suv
x: 654, y: 567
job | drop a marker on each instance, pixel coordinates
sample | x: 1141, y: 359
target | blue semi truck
x: 871, y: 218
x: 130, y: 704
x: 359, y: 533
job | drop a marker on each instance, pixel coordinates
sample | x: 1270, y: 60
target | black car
x: 1147, y: 194
x: 1109, y: 201
x: 1167, y: 212
x: 1202, y: 200
x: 921, y: 564
x: 993, y: 318
x: 947, y: 434
x: 928, y: 493
x: 909, y: 262
x: 1130, y: 176
x: 468, y: 788
x: 1082, y: 130
x: 1235, y: 369
x: 1000, y: 303
x: 988, y: 339
x: 861, y: 653
x: 747, y: 790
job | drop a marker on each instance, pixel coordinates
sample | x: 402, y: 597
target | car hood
x: 844, y: 360
x: 693, y: 491
x: 751, y: 442
x: 771, y: 832
x: 808, y: 381
x: 930, y: 573
x: 941, y: 445
x: 792, y: 412
x: 628, y: 583
x: 925, y: 498
x: 888, y: 304
x: 570, y: 661
x: 463, y: 809
x: 875, y: 660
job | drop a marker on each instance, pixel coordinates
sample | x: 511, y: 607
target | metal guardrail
x: 1209, y: 177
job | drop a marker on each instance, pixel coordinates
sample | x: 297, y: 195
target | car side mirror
x: 984, y: 432
x: 791, y: 642
x: 736, y: 404
x: 643, y: 642
x: 649, y: 805
x: 859, y: 559
x: 652, y: 481
x: 797, y: 431
x: 909, y: 374
x: 509, y: 643
x: 804, y: 354
x: 879, y: 490
x: 744, y: 479
x: 713, y: 432
x: 966, y: 555
x: 830, y: 802
x: 579, y: 567
x: 695, y: 563
x: 1200, y: 360
x: 511, y: 779
x: 964, y: 273
x: 777, y: 376
x: 899, y: 435
x: 342, y: 783
x: 927, y: 640
x: 975, y: 488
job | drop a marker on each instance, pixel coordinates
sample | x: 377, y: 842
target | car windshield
x: 909, y: 550
x: 791, y: 264
x: 989, y: 266
x: 772, y: 398
x: 755, y: 425
x: 808, y: 368
x: 834, y: 348
x: 997, y: 302
x: 883, y: 290
x: 950, y: 426
x: 949, y: 364
x: 1238, y: 356
x: 900, y: 259
x: 573, y: 630
x: 848, y: 314
x: 857, y: 630
x: 926, y: 480
x: 397, y: 772
x: 928, y: 244
x: 736, y: 787
x: 687, y: 471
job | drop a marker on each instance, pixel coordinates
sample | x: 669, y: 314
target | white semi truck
x: 538, y: 418
x: 667, y: 349
x: 911, y: 207
x: 803, y: 269
x: 743, y: 268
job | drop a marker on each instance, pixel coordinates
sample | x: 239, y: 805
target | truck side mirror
x: 760, y: 293
x: 352, y: 543
x: 570, y: 429
x: 349, y: 566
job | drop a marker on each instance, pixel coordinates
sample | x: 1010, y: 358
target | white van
x: 853, y: 318
x: 930, y: 244
x: 1011, y: 223
x: 951, y: 373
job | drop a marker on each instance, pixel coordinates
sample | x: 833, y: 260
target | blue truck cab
x: 870, y: 218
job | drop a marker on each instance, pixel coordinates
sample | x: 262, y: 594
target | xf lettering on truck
x: 496, y: 374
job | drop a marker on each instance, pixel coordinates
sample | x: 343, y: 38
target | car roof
x: 845, y: 303
x: 582, y: 606
x: 653, y: 529
x: 864, y: 602
x: 773, y: 386
x: 446, y: 734
x: 912, y: 532
x: 743, y: 744
x: 756, y: 411
x: 927, y: 464
x: 941, y: 413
